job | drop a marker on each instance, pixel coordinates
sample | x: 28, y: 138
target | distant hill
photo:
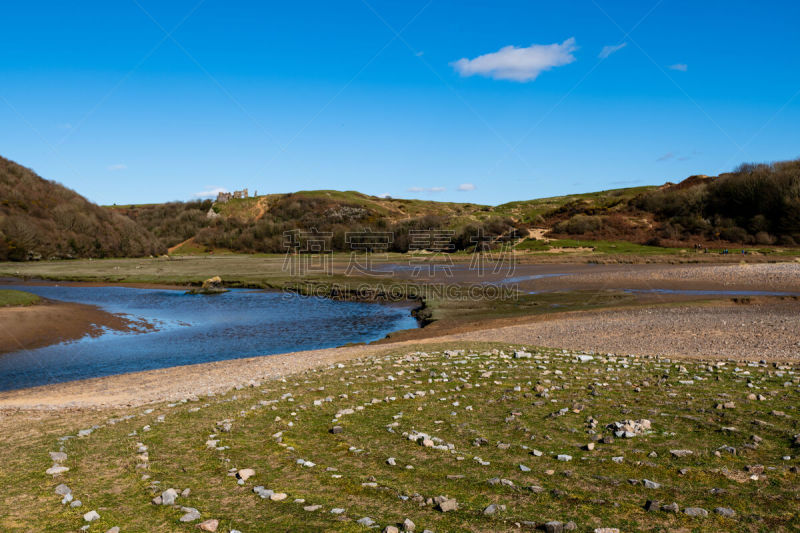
x: 754, y: 205
x: 757, y: 204
x: 41, y: 219
x: 258, y: 224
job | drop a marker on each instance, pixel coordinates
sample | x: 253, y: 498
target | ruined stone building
x: 225, y: 196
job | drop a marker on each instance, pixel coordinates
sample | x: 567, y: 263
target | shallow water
x: 195, y: 329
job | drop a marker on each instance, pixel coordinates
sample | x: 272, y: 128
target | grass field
x: 497, y: 425
x: 10, y: 297
x: 601, y: 247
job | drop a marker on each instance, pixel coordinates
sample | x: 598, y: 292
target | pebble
x: 91, y: 516
x: 695, y: 511
x: 725, y: 511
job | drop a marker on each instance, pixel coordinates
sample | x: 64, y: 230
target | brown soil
x: 51, y: 322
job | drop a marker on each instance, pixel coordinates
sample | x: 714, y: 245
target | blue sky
x: 143, y: 101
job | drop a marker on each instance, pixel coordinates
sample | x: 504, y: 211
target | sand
x: 51, y: 322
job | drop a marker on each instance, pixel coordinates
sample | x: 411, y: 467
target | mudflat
x: 50, y: 322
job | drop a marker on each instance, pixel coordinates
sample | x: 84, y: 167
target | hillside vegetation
x: 755, y: 204
x: 259, y: 224
x: 43, y: 219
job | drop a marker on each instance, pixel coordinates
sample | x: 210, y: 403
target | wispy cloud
x: 682, y: 67
x: 518, y: 64
x: 426, y: 189
x: 610, y: 49
x: 210, y: 192
x: 677, y: 156
x: 118, y: 166
x: 466, y: 187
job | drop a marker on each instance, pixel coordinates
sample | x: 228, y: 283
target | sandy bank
x: 51, y: 322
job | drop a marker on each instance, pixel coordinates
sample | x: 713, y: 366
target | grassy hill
x: 43, y: 219
x: 756, y: 205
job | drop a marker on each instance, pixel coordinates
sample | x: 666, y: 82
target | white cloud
x: 518, y: 64
x: 466, y: 187
x: 426, y: 189
x: 118, y: 166
x: 210, y: 192
x: 683, y: 67
x: 610, y: 49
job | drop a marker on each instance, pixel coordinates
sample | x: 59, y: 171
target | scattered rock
x: 447, y: 504
x: 58, y: 457
x: 209, y: 525
x: 695, y: 512
x: 245, y: 474
x: 681, y: 453
x: 91, y: 516
x: 493, y: 508
x: 191, y: 514
x: 554, y: 527
x: 169, y: 496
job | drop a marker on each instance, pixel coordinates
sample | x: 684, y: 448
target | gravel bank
x: 757, y: 331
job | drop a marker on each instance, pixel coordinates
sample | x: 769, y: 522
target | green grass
x: 10, y: 297
x: 541, y: 403
x: 603, y: 247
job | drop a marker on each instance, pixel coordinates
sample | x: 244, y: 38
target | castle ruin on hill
x: 223, y: 197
